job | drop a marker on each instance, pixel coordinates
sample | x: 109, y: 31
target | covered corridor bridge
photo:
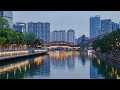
x: 61, y: 45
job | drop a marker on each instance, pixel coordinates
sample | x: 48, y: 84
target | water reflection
x: 61, y: 64
x: 26, y: 69
x: 63, y: 59
x: 104, y: 69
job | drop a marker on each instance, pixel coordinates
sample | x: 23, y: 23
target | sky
x: 65, y: 20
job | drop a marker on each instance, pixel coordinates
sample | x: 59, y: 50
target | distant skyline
x: 65, y: 20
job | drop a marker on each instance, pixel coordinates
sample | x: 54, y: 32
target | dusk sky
x: 64, y: 20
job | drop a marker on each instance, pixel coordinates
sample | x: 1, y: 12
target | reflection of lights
x: 98, y: 61
x: 14, y: 71
x: 115, y: 71
x: 118, y: 77
x: 12, y: 66
x: 112, y: 70
x: 38, y: 60
x: 106, y: 66
x: 60, y: 55
x: 29, y: 65
x: 111, y: 74
x: 25, y: 68
x: 20, y: 70
x: 7, y: 75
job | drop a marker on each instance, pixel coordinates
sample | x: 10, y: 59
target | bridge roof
x: 61, y: 43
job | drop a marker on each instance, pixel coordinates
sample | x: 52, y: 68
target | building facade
x: 8, y: 16
x: 95, y: 26
x: 59, y: 35
x: 106, y: 25
x: 115, y: 26
x: 71, y: 36
x: 20, y: 27
x: 41, y: 30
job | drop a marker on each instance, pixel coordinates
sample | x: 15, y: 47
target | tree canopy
x: 9, y: 36
x: 109, y: 42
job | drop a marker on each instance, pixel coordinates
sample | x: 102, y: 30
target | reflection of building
x: 94, y: 72
x: 44, y: 70
x: 63, y: 59
x: 71, y: 63
x: 57, y: 59
x: 8, y: 16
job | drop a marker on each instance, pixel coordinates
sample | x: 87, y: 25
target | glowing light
x: 29, y: 65
x: 25, y: 68
x: 14, y: 71
x: 20, y: 70
x: 116, y: 71
x: 112, y: 69
x: 38, y: 60
x: 98, y: 61
x: 7, y: 75
x: 12, y: 66
x: 106, y: 66
x: 118, y: 77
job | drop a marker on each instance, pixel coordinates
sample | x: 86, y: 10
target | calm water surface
x: 60, y: 65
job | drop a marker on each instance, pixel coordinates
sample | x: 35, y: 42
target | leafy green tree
x: 30, y: 39
x: 2, y: 40
x: 9, y: 37
x: 108, y: 42
x: 4, y: 23
x: 39, y: 42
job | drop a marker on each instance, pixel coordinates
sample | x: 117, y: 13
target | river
x: 60, y: 65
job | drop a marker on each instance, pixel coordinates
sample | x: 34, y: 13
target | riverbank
x: 21, y: 56
x: 112, y: 57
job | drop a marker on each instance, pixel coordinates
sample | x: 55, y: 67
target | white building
x: 71, y: 36
x: 58, y: 35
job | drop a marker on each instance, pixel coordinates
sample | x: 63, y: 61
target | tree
x: 39, y: 42
x: 109, y: 42
x: 4, y: 23
x: 31, y: 39
x: 2, y: 40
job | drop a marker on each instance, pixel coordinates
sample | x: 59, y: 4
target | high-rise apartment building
x: 95, y: 26
x: 106, y: 25
x: 115, y: 26
x: 41, y: 30
x: 71, y: 36
x: 59, y: 35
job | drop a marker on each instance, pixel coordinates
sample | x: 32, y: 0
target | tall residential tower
x: 71, y: 36
x: 41, y: 30
x: 58, y: 35
x: 95, y: 26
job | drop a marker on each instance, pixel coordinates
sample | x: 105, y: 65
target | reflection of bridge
x: 61, y: 46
